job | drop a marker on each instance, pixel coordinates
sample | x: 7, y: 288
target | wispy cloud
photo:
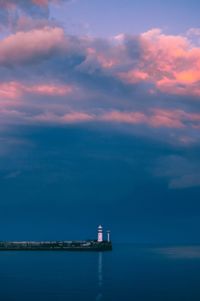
x: 180, y: 171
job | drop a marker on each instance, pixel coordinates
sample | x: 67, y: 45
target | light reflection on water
x: 100, y: 277
x: 129, y: 272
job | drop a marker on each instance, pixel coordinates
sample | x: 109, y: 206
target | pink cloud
x: 125, y: 117
x: 71, y: 117
x: 107, y: 58
x: 166, y: 118
x: 13, y: 90
x: 15, y: 93
x: 134, y: 76
x: 77, y: 117
x: 170, y: 62
x: 156, y: 118
x: 41, y: 2
x: 10, y: 90
x: 24, y: 46
x: 153, y: 118
x: 48, y: 89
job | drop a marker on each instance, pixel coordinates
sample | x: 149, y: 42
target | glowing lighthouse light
x: 100, y: 234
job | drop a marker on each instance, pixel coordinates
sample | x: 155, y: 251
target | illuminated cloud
x: 156, y: 118
x: 153, y: 118
x: 24, y: 47
x: 170, y: 63
x: 14, y: 90
x: 71, y: 117
x: 125, y: 117
x: 47, y: 76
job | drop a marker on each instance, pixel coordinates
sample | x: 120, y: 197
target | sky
x: 100, y: 120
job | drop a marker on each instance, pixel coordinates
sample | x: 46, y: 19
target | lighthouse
x: 108, y: 236
x: 100, y: 234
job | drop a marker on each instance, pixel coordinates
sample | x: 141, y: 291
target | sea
x: 129, y: 272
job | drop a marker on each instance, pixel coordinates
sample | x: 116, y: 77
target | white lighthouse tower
x: 108, y: 236
x: 100, y: 234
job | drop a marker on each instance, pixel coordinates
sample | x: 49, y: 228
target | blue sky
x: 100, y: 120
x: 109, y: 18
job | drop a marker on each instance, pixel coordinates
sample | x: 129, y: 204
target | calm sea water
x: 129, y: 272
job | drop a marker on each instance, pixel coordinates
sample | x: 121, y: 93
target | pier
x: 83, y: 245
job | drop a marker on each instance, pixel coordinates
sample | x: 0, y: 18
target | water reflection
x: 187, y: 252
x: 100, y: 277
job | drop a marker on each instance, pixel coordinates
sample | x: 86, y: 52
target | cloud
x: 68, y: 118
x: 186, y: 181
x: 181, y: 171
x: 155, y: 118
x: 36, y: 44
x: 28, y: 5
x: 35, y: 8
x: 149, y: 81
x: 170, y: 62
x: 13, y: 90
x: 193, y: 32
x: 167, y: 64
x: 125, y: 117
